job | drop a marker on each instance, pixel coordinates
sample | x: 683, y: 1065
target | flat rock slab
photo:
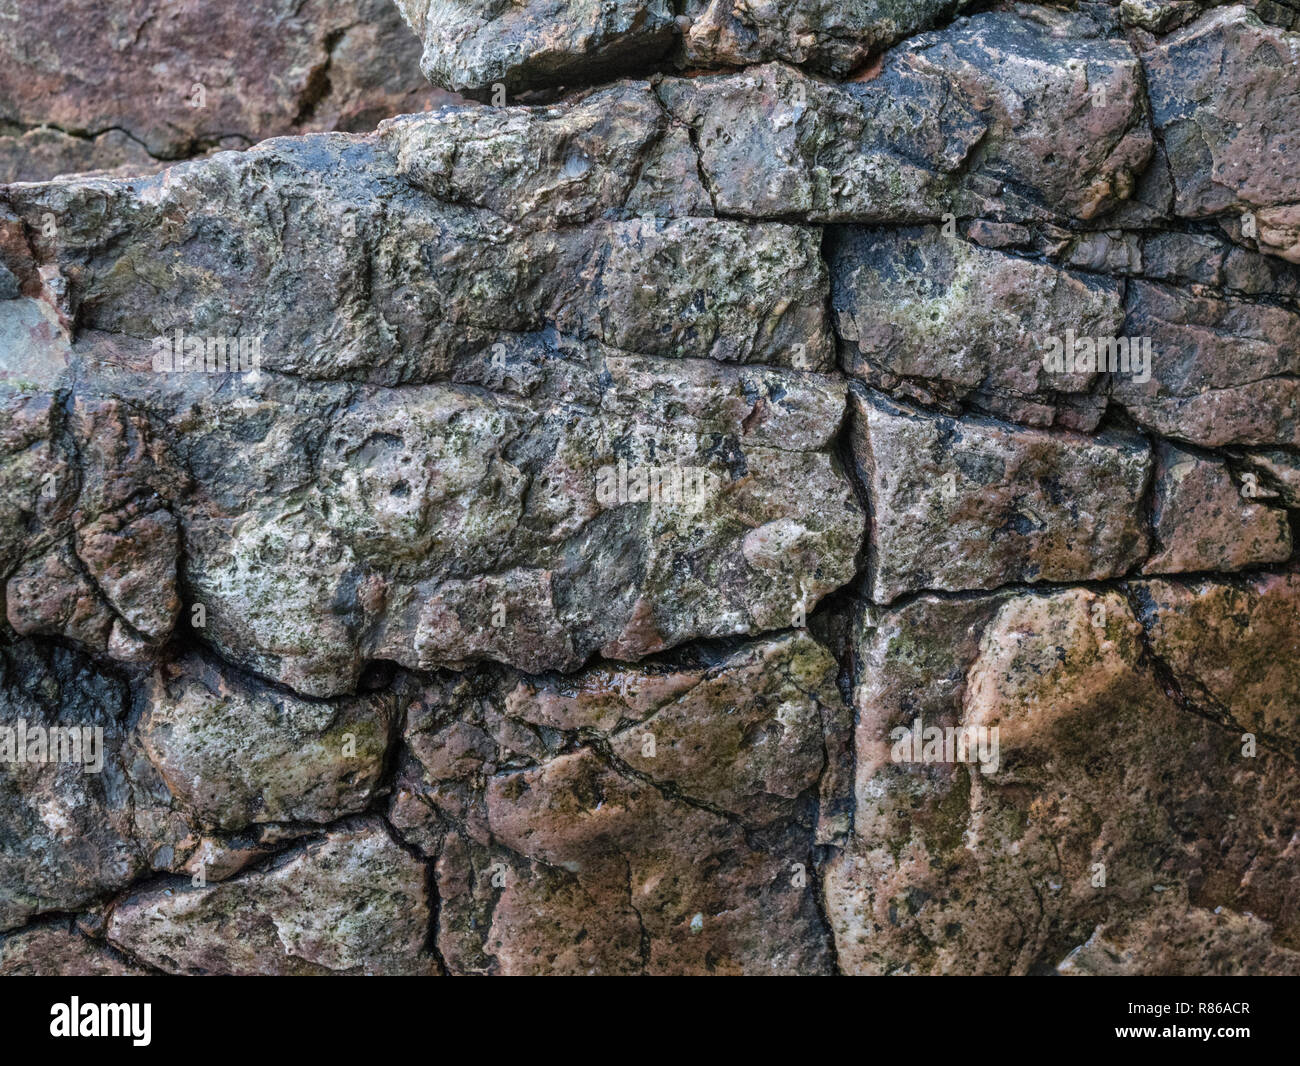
x: 974, y: 504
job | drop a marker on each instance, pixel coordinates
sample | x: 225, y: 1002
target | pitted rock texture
x: 750, y: 489
x: 131, y: 85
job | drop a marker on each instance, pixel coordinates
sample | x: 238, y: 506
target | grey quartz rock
x: 484, y: 46
x: 1030, y: 113
x: 65, y: 796
x: 479, y: 44
x: 587, y: 431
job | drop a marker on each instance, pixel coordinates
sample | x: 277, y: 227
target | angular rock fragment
x: 973, y: 504
x: 89, y: 552
x: 1223, y: 371
x: 1068, y: 119
x: 1027, y: 113
x: 659, y: 502
x: 934, y: 317
x: 233, y: 754
x: 1203, y: 259
x: 539, y: 44
x: 1220, y: 95
x: 53, y: 951
x: 774, y: 143
x: 477, y: 44
x: 649, y: 820
x: 344, y: 290
x: 66, y: 830
x: 1202, y: 520
x: 1176, y: 940
x: 352, y: 902
x: 827, y: 38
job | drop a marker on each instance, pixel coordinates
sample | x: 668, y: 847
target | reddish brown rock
x: 656, y: 820
x: 1233, y: 649
x: 85, y: 87
x: 1107, y: 803
x: 57, y: 951
x: 1220, y: 91
x: 1203, y: 520
x: 973, y: 504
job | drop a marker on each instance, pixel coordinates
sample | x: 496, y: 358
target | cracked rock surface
x: 749, y: 488
x: 131, y: 85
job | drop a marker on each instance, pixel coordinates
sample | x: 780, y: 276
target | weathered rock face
x: 1103, y: 804
x: 540, y: 44
x: 948, y: 322
x: 1223, y: 370
x: 823, y: 502
x: 654, y: 820
x: 88, y: 86
x: 50, y: 951
x: 955, y: 121
x: 970, y: 503
x: 352, y: 902
x: 1202, y: 520
x: 1249, y: 71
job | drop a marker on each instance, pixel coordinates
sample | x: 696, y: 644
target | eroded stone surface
x: 934, y: 317
x: 1203, y: 520
x: 1234, y: 155
x: 505, y: 612
x: 1179, y: 940
x: 481, y: 46
x: 972, y: 503
x: 233, y: 754
x: 51, y: 951
x: 628, y: 820
x: 85, y: 87
x: 1231, y: 648
x: 352, y: 902
x: 66, y: 833
x: 1006, y: 113
x: 1223, y: 371
x: 958, y: 870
